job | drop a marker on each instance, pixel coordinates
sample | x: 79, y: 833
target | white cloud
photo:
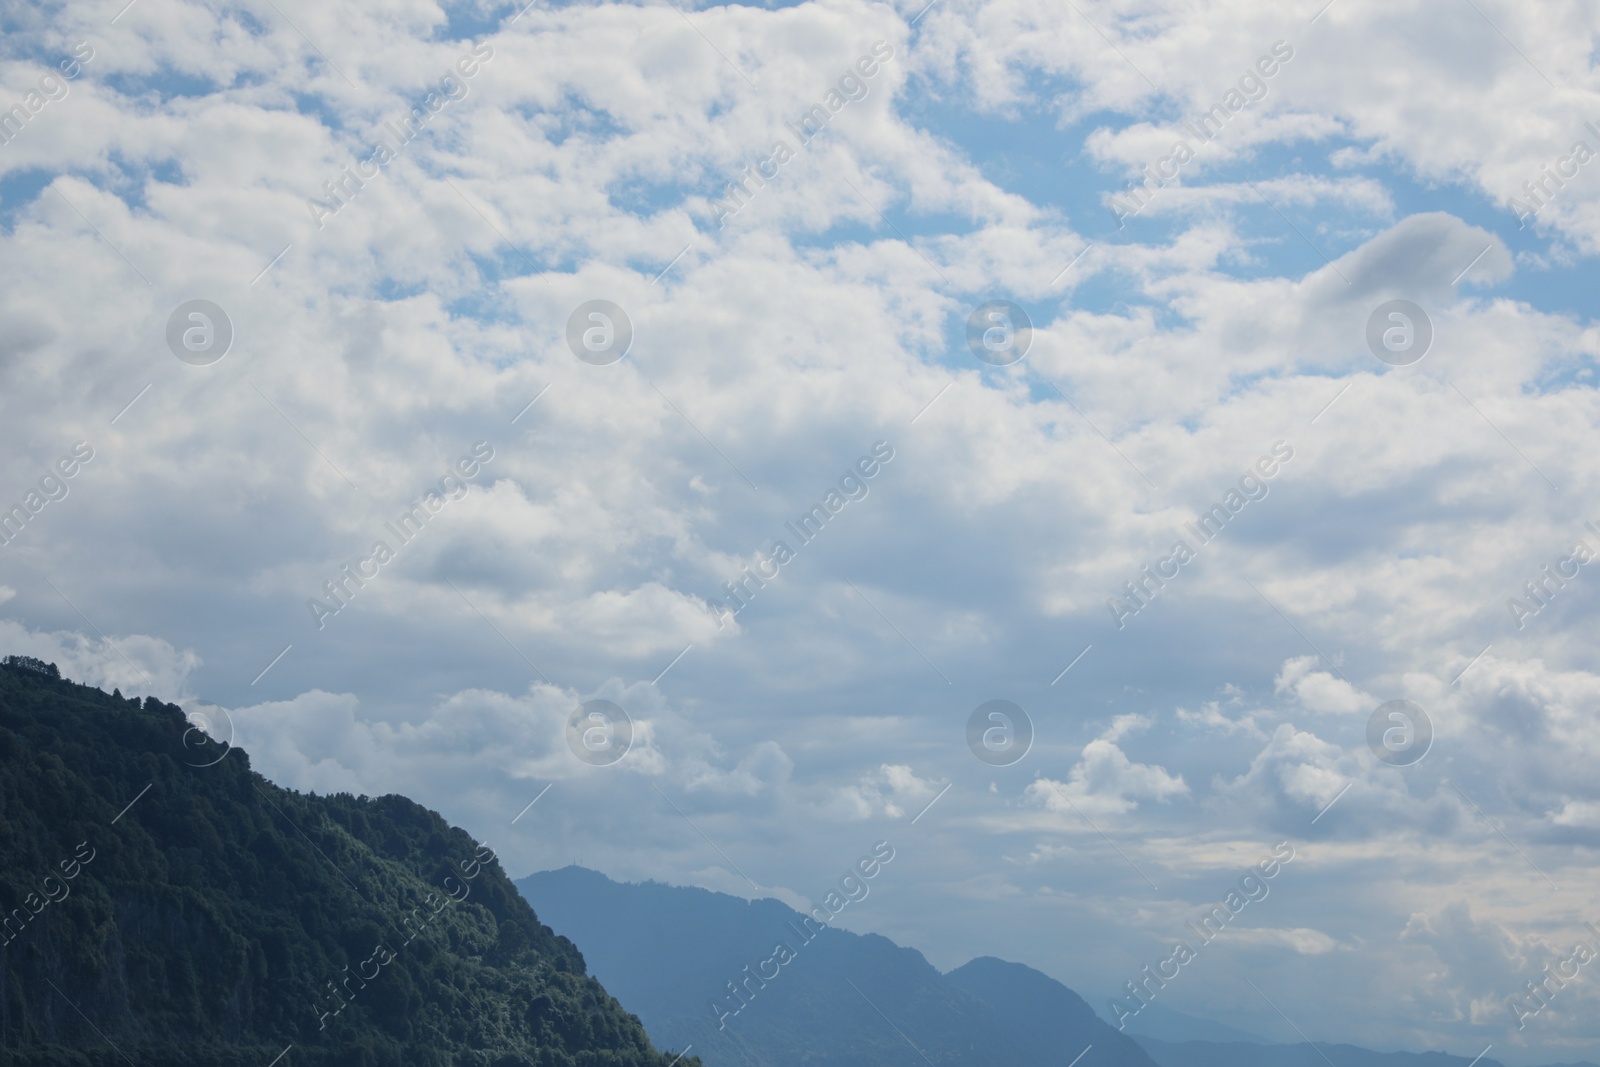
x: 890, y: 790
x: 136, y: 664
x: 1210, y: 717
x: 1105, y: 780
x: 1300, y: 940
x: 1584, y: 814
x: 1319, y: 690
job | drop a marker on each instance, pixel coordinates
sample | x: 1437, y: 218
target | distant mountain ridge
x: 1167, y: 1024
x: 1044, y: 1017
x: 1242, y: 1054
x: 162, y: 904
x: 671, y: 955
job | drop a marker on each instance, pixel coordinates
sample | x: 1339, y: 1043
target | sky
x: 259, y: 319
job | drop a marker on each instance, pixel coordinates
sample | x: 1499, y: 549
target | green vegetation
x: 221, y: 919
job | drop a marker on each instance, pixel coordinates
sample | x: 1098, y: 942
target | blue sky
x: 429, y: 316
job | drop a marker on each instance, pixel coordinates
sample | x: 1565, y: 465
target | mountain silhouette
x: 683, y: 958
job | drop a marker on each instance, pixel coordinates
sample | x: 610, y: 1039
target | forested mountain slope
x: 165, y: 905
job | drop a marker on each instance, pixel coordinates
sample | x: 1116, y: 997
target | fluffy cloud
x: 1319, y: 690
x: 1105, y: 780
x: 888, y: 791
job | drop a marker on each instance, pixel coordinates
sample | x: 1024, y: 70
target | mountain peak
x: 752, y: 983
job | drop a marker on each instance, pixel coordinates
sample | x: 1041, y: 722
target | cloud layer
x: 400, y: 206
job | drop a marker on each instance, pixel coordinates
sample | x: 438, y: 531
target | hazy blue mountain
x: 1044, y: 1017
x: 668, y: 955
x: 1168, y: 1024
x: 849, y: 1000
x: 1242, y: 1054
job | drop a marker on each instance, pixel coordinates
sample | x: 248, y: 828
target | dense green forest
x: 166, y: 906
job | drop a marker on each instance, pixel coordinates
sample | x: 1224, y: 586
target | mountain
x: 1245, y: 1054
x: 684, y: 959
x: 1241, y: 1054
x: 1044, y: 1017
x: 1166, y: 1024
x: 160, y: 903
